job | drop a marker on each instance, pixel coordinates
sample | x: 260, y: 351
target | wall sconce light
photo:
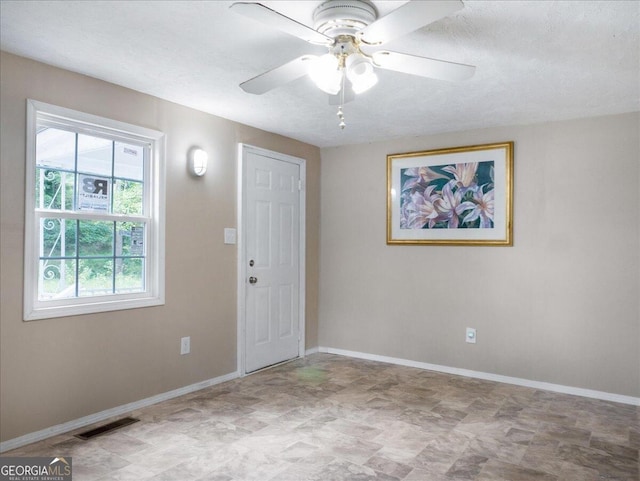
x: 198, y: 161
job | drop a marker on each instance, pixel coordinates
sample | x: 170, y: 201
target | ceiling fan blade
x: 271, y: 18
x: 407, y: 18
x: 338, y: 99
x: 422, y: 66
x: 278, y: 76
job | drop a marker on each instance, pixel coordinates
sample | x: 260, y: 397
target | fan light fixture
x: 360, y: 73
x: 342, y: 20
x: 326, y: 73
x: 329, y: 71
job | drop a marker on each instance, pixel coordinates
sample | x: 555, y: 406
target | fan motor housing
x: 343, y: 17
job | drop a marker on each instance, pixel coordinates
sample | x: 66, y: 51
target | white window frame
x: 154, y: 214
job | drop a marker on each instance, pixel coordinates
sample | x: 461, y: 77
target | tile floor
x: 332, y: 418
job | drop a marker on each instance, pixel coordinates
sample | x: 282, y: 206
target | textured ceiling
x: 536, y: 61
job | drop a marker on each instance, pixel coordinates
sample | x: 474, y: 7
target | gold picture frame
x: 453, y: 196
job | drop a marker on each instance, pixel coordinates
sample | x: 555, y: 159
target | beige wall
x: 57, y: 370
x: 560, y: 306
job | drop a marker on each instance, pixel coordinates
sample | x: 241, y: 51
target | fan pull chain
x: 342, y: 125
x: 341, y: 117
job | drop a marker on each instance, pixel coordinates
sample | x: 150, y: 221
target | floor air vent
x: 107, y: 428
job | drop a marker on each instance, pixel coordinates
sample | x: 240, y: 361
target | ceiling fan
x: 351, y: 31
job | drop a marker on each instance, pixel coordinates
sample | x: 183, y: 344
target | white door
x: 272, y: 255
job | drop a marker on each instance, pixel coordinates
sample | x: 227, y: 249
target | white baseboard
x: 576, y: 391
x: 313, y: 350
x: 117, y: 411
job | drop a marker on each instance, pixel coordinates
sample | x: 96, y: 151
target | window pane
x: 129, y: 275
x: 58, y: 237
x: 55, y: 148
x: 94, y: 193
x: 56, y: 279
x: 127, y: 197
x: 94, y: 155
x: 54, y: 189
x: 130, y: 239
x: 95, y: 277
x: 129, y: 161
x: 96, y: 238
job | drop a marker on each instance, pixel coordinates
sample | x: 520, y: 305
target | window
x: 94, y: 238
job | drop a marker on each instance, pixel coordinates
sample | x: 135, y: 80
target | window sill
x: 91, y: 308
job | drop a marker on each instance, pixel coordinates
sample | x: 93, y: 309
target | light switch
x: 229, y: 235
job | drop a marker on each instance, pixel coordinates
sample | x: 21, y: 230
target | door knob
x: 253, y: 280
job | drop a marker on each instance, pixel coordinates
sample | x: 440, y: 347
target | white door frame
x: 243, y: 149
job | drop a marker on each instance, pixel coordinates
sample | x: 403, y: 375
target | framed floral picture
x: 454, y: 196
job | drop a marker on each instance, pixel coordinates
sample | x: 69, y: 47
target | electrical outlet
x: 185, y: 345
x: 471, y: 335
